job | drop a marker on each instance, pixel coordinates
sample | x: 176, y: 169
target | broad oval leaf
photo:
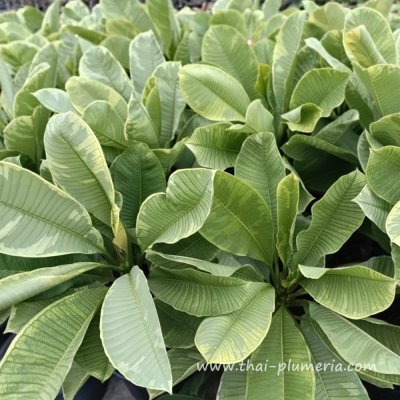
x: 306, y: 148
x: 233, y: 384
x: 284, y: 343
x: 22, y: 286
x: 260, y: 165
x: 55, y: 100
x: 178, y: 213
x: 137, y: 174
x: 330, y: 384
x: 58, y: 223
x: 368, y: 351
x: 224, y: 47
x: 83, y: 171
x: 355, y: 292
x: 178, y: 328
x: 243, y: 217
x: 145, y: 56
x: 99, y: 64
x: 377, y: 28
x: 198, y: 293
x: 213, y: 93
x: 382, y: 172
x: 166, y: 24
x: 387, y: 130
x: 91, y: 356
x: 382, y: 85
x: 214, y: 146
x: 334, y: 218
x: 284, y: 56
x: 172, y: 103
x: 61, y: 327
x: 182, y: 262
x: 227, y: 339
x: 131, y: 333
x: 375, y: 208
x: 139, y: 125
x: 324, y: 87
x: 83, y: 91
x: 106, y: 124
x: 303, y: 118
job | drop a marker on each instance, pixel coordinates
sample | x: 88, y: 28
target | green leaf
x: 214, y: 146
x: 355, y: 292
x: 227, y: 49
x: 229, y: 17
x: 387, y: 130
x: 233, y: 384
x: 303, y: 118
x: 374, y: 26
x: 91, y: 356
x: 59, y: 327
x: 98, y: 63
x: 137, y: 174
x: 7, y: 88
x: 382, y: 171
x: 106, y: 124
x: 178, y: 328
x: 139, y: 125
x: 24, y: 101
x: 22, y: 313
x: 393, y: 224
x: 381, y: 264
x: 258, y: 119
x: 227, y: 339
x: 198, y: 293
x: 74, y: 380
x: 131, y: 333
x: 380, y: 82
x: 213, y: 93
x: 183, y: 364
x: 375, y: 209
x: 83, y: 172
x: 195, y: 246
x: 369, y: 351
x: 243, y: 216
x: 83, y: 91
x: 89, y: 35
x: 130, y: 9
x: 288, y: 196
x: 178, y: 213
x: 25, y: 134
x: 260, y: 165
x: 55, y: 100
x: 286, y: 48
x: 63, y: 226
x: 166, y: 24
x: 284, y: 343
x: 22, y: 286
x: 306, y: 148
x: 182, y: 262
x: 145, y: 56
x: 329, y: 383
x: 334, y: 218
x: 119, y: 47
x: 171, y: 101
x: 361, y: 48
x: 324, y: 87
